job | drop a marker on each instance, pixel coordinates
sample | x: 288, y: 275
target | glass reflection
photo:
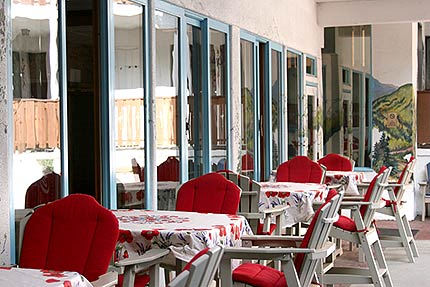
x: 248, y: 103
x: 36, y: 102
x: 218, y: 99
x: 129, y: 99
x: 276, y: 101
x: 293, y: 94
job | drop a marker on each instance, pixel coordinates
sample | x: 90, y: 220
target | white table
x: 299, y: 197
x: 184, y: 233
x: 349, y: 180
x: 20, y: 277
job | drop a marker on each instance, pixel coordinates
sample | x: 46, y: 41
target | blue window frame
x: 311, y: 65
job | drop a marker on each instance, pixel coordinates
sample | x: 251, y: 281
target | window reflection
x: 35, y: 102
x: 129, y: 100
x: 276, y: 100
x: 218, y: 99
x: 293, y: 94
x: 247, y: 88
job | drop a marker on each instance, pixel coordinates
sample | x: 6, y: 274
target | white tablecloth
x: 22, y: 277
x: 298, y: 196
x: 349, y: 180
x: 184, y: 233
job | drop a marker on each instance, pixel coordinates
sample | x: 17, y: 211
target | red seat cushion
x: 259, y: 275
x: 75, y: 233
x: 209, y: 193
x: 300, y: 169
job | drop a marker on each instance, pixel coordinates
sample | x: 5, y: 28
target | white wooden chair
x: 260, y: 221
x: 361, y: 231
x: 298, y: 265
x: 395, y: 207
x: 200, y: 271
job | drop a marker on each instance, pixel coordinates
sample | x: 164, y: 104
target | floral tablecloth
x: 298, y: 196
x: 20, y: 277
x: 349, y: 180
x: 184, y: 233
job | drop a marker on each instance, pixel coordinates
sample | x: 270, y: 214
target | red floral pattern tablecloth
x: 349, y: 180
x: 298, y: 196
x: 184, y: 233
x: 20, y: 277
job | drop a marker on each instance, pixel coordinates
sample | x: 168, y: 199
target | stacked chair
x: 298, y: 265
x: 394, y: 207
x: 360, y: 230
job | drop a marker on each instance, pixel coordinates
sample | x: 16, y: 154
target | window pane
x: 276, y: 101
x: 293, y: 94
x: 193, y: 117
x: 310, y: 66
x: 247, y: 88
x: 218, y: 99
x: 36, y: 104
x: 166, y: 96
x: 129, y: 98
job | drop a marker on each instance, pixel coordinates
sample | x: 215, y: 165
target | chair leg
x: 380, y: 259
x: 409, y: 233
x: 374, y: 262
x: 405, y: 234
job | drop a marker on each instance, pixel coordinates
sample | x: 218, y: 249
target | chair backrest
x: 200, y: 270
x: 75, y: 233
x: 211, y: 193
x: 374, y: 194
x: 316, y: 235
x: 168, y: 170
x: 247, y: 162
x: 249, y: 197
x: 137, y: 169
x: 337, y: 162
x: 300, y: 169
x: 44, y: 190
x: 404, y: 178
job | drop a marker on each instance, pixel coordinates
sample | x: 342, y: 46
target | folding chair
x: 361, y: 231
x: 297, y: 271
x: 395, y: 207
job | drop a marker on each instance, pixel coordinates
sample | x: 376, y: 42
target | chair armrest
x: 106, y: 280
x: 271, y: 240
x: 334, y: 186
x: 279, y: 209
x: 149, y: 258
x: 352, y: 198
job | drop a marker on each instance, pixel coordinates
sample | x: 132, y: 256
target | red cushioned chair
x: 313, y: 248
x: 337, y: 162
x: 300, y: 169
x: 360, y: 230
x: 168, y: 170
x: 44, y: 190
x: 75, y: 233
x: 199, y: 271
x: 394, y: 207
x: 209, y: 193
x: 247, y: 162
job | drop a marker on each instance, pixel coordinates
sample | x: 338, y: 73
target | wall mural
x: 393, y: 114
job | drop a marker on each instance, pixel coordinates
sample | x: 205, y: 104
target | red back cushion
x: 300, y: 169
x: 369, y: 190
x: 247, y: 162
x: 168, y: 170
x: 209, y: 193
x: 336, y: 162
x: 44, y: 190
x: 72, y: 234
x: 396, y: 189
x: 305, y: 243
